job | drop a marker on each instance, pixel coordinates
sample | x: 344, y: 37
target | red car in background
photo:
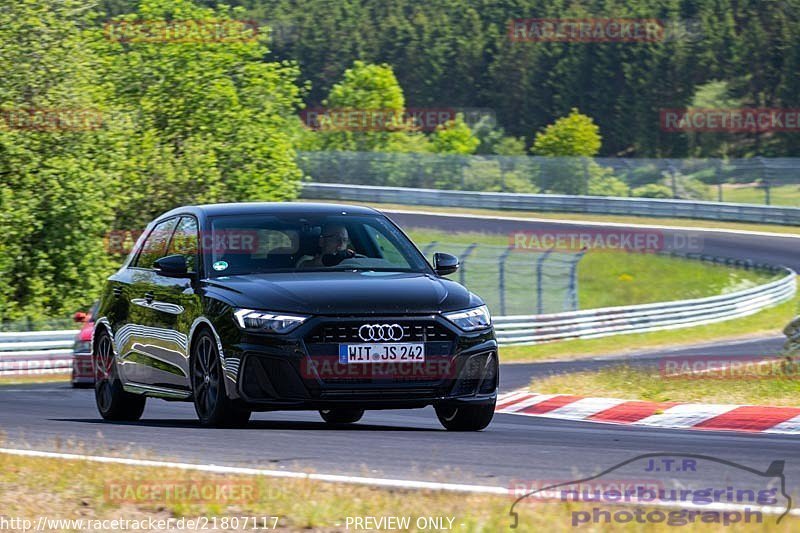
x: 82, y: 372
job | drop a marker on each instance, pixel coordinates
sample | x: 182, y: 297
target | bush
x: 652, y: 190
x: 483, y: 174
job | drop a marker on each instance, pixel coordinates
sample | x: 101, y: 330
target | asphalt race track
x: 411, y: 444
x: 779, y: 251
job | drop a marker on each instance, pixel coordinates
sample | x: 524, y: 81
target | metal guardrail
x: 555, y: 202
x: 593, y: 323
x: 36, y: 352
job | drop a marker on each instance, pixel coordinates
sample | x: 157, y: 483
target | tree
x: 454, y: 137
x: 365, y: 113
x: 213, y: 120
x: 573, y: 135
x: 56, y: 175
x: 571, y: 141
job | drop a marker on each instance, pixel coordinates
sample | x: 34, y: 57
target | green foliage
x: 54, y: 183
x: 483, y: 174
x: 510, y: 146
x: 367, y: 87
x: 374, y: 97
x: 211, y: 117
x: 573, y: 135
x: 455, y: 137
x: 603, y: 183
x: 652, y: 190
x: 458, y: 53
x: 182, y: 122
x: 575, y: 138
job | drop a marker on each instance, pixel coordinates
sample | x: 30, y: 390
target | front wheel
x: 341, y: 416
x: 465, y: 417
x: 213, y: 407
x: 112, y: 400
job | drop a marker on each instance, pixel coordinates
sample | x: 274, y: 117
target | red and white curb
x: 746, y: 418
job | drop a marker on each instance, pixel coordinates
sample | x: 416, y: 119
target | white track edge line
x: 218, y: 469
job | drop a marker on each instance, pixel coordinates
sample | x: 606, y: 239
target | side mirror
x: 444, y: 264
x: 172, y: 266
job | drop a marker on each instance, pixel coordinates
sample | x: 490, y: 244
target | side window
x: 387, y: 250
x: 184, y: 242
x: 155, y: 246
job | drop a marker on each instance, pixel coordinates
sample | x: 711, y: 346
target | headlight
x: 471, y: 319
x: 266, y: 322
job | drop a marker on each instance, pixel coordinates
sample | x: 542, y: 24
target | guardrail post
x: 673, y: 173
x: 539, y: 264
x: 462, y: 260
x: 501, y: 279
x: 572, y: 290
x: 765, y: 179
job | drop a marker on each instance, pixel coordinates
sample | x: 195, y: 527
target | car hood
x: 343, y: 293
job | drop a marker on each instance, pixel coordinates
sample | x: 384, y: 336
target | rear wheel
x: 112, y: 400
x: 341, y: 416
x: 213, y: 407
x: 465, y: 417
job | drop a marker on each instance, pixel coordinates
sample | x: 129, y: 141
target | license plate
x: 395, y: 352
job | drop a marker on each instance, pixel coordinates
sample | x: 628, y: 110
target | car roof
x: 271, y: 208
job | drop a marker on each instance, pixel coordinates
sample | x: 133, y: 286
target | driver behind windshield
x: 332, y: 247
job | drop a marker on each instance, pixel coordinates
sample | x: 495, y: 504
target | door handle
x: 149, y: 297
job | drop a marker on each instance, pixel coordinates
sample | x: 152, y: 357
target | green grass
x: 605, y: 278
x: 35, y: 378
x: 56, y: 489
x: 651, y: 385
x: 767, y: 322
x: 781, y: 195
x: 618, y: 219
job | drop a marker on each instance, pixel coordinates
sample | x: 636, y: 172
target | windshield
x: 251, y: 244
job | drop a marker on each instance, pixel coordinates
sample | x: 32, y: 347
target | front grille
x: 348, y: 332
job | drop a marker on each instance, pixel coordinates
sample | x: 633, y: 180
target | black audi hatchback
x: 270, y: 306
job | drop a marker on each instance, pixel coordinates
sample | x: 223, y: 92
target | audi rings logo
x: 380, y: 332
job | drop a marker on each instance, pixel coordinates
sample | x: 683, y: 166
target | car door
x: 174, y: 307
x: 139, y: 344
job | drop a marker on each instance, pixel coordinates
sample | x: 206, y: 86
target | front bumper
x: 301, y: 370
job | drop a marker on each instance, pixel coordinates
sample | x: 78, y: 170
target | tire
x: 465, y: 417
x: 112, y: 401
x: 341, y: 416
x: 211, y: 403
